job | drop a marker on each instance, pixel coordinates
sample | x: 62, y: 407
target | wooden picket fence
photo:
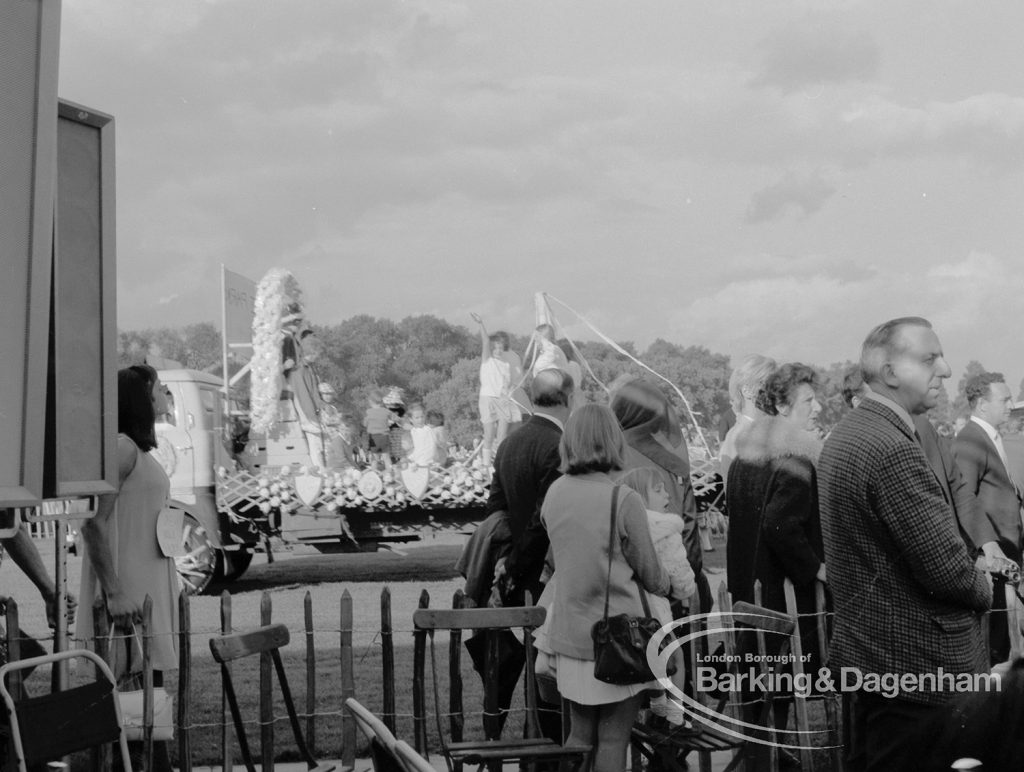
x: 186, y: 726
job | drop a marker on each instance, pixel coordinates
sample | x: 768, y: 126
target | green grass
x: 205, y: 725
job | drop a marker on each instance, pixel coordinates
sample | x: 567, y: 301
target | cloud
x: 800, y: 57
x: 817, y: 317
x: 986, y: 127
x: 807, y: 194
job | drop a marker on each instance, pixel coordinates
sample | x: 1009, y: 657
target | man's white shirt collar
x: 990, y: 430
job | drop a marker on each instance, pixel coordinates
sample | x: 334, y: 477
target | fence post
x: 184, y: 683
x: 13, y: 646
x: 266, y: 692
x: 147, y: 681
x: 457, y: 719
x: 419, y: 699
x: 307, y: 604
x: 227, y: 751
x: 101, y: 755
x: 348, y: 727
x: 14, y: 682
x: 387, y: 645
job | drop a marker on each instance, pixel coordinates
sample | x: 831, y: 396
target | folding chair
x: 382, y: 742
x: 411, y: 760
x: 668, y: 748
x: 263, y: 640
x: 492, y: 751
x: 49, y: 726
x: 711, y: 734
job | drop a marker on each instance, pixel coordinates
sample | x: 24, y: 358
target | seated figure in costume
x: 284, y: 385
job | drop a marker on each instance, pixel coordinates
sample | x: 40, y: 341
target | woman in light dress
x: 123, y: 562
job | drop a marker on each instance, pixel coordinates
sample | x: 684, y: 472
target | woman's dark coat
x: 774, y: 525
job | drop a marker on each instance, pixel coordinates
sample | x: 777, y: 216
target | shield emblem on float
x: 370, y: 485
x: 416, y: 480
x: 307, y: 487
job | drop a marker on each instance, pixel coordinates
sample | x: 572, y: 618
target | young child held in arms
x: 667, y: 535
x: 549, y: 354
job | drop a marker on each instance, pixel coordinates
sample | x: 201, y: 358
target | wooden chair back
x: 264, y: 641
x: 831, y: 699
x: 498, y: 626
x: 411, y: 760
x: 710, y: 735
x: 1013, y: 621
x: 496, y: 621
x: 382, y: 741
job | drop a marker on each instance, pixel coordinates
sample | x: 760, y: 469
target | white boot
x: 674, y: 713
x: 659, y: 705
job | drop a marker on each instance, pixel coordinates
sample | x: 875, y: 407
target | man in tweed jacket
x: 908, y: 598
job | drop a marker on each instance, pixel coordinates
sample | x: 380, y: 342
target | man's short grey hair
x: 751, y: 373
x: 885, y: 343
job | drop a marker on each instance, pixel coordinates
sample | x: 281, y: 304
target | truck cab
x: 192, y: 444
x: 238, y: 489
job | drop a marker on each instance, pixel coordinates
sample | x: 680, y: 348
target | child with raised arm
x: 667, y: 535
x: 495, y: 384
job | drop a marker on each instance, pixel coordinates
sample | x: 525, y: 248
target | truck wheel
x: 234, y: 564
x: 196, y: 567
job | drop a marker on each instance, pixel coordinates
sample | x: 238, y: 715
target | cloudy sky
x: 749, y: 176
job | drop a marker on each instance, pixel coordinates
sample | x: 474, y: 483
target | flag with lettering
x: 239, y: 300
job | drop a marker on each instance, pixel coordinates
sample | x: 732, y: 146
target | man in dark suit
x: 982, y: 461
x: 908, y: 597
x: 525, y: 466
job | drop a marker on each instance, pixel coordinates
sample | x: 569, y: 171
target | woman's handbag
x: 620, y: 642
x: 132, y: 697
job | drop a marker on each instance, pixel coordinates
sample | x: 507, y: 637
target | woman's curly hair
x: 780, y: 387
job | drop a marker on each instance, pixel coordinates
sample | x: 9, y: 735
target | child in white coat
x: 667, y: 535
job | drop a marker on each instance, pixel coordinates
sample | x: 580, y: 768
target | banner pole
x: 224, y: 348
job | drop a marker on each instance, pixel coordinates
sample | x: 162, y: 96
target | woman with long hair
x: 123, y: 562
x: 577, y: 516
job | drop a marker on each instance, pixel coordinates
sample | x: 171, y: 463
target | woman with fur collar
x: 772, y: 497
x: 774, y: 526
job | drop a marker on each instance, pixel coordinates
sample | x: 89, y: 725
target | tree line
x: 436, y: 363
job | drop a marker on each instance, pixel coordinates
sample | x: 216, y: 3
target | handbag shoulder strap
x: 611, y: 547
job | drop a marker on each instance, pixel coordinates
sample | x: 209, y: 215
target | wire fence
x: 385, y: 672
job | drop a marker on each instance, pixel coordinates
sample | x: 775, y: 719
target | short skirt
x: 576, y: 683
